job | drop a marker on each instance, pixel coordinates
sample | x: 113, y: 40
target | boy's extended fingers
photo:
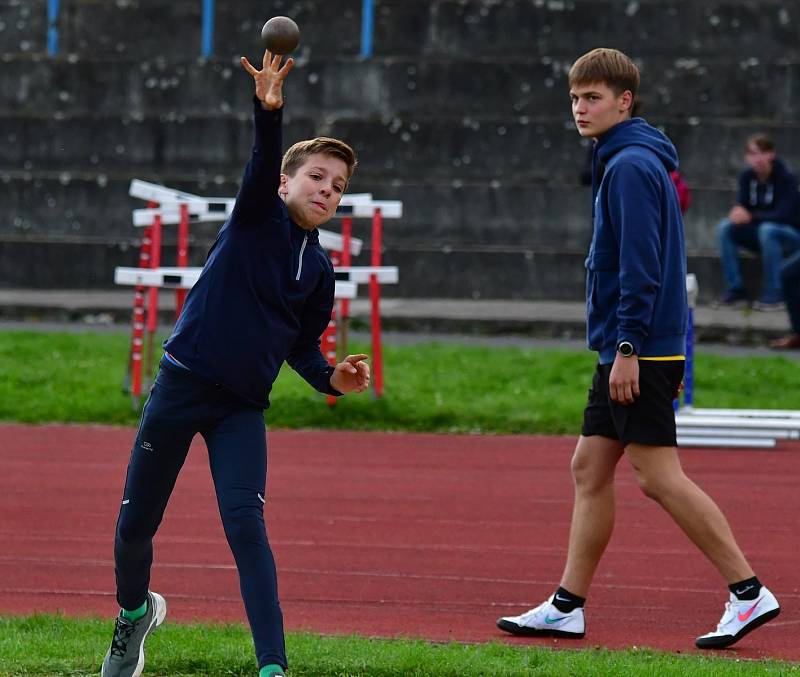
x: 284, y: 71
x: 248, y: 66
x: 267, y: 58
x: 352, y: 359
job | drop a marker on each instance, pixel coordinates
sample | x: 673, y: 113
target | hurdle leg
x: 183, y: 255
x: 328, y: 347
x: 344, y: 307
x: 136, y: 347
x: 152, y: 300
x: 138, y: 302
x: 375, y: 300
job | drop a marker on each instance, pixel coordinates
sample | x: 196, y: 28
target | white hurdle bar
x: 732, y: 428
x: 219, y: 209
x: 687, y: 440
x: 185, y: 278
x: 362, y: 274
x: 747, y: 413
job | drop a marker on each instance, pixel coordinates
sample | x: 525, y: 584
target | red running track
x: 430, y: 536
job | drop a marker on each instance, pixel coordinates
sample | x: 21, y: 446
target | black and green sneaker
x: 125, y: 657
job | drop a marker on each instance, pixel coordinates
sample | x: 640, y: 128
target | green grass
x: 54, y: 377
x: 56, y: 645
x: 77, y: 378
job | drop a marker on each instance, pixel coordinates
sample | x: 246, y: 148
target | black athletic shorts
x: 650, y: 419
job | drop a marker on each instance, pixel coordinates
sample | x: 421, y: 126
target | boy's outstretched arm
x: 258, y: 194
x: 351, y: 375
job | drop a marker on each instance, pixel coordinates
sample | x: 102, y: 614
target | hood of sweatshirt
x: 633, y: 132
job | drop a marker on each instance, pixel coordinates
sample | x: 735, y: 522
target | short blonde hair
x: 606, y: 66
x: 294, y: 158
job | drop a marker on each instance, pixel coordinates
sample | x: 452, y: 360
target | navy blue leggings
x: 181, y: 405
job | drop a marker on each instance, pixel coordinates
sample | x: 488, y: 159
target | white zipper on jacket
x: 300, y: 258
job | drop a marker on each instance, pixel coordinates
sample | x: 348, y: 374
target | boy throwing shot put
x: 636, y: 321
x: 265, y: 295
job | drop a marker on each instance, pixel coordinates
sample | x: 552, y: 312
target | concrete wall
x: 462, y: 113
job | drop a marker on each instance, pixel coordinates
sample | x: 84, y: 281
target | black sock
x: 746, y: 589
x: 565, y: 601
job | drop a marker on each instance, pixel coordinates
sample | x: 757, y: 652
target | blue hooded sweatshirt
x: 636, y: 268
x: 265, y: 294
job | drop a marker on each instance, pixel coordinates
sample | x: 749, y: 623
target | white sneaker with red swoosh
x: 741, y: 616
x: 546, y: 621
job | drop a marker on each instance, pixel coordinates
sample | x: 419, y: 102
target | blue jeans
x: 769, y: 239
x: 790, y: 280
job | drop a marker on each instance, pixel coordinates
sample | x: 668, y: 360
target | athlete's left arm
x: 635, y: 197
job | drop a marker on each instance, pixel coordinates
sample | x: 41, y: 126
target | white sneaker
x: 546, y: 621
x: 741, y: 616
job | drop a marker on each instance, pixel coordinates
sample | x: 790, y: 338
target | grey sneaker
x: 125, y: 657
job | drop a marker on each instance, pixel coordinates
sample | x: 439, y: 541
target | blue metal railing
x: 367, y: 27
x: 207, y: 37
x: 52, y: 27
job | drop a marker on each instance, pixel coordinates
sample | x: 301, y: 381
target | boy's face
x: 760, y: 161
x: 313, y: 193
x: 596, y: 108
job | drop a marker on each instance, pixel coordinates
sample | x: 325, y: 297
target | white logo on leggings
x: 147, y: 446
x: 261, y: 498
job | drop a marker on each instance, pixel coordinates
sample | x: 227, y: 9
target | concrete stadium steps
x: 140, y: 28
x: 450, y: 27
x: 501, y: 148
x: 462, y: 114
x: 536, y: 87
x: 23, y: 26
x: 462, y: 272
x: 107, y: 144
x: 545, y: 27
x: 507, y: 213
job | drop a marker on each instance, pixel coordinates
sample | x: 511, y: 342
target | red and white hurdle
x: 168, y: 206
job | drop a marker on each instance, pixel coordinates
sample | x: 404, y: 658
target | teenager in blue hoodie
x: 636, y: 321
x: 265, y: 295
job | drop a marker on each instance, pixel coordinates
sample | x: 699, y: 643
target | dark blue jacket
x: 266, y: 291
x: 636, y: 268
x: 776, y: 200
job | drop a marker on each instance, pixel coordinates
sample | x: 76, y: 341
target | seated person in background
x: 765, y: 219
x: 790, y: 282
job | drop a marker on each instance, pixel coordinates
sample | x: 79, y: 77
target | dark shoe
x: 125, y: 658
x: 790, y: 342
x: 733, y: 298
x: 768, y: 305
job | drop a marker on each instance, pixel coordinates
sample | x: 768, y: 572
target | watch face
x: 625, y: 349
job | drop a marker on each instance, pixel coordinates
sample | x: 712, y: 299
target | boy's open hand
x: 269, y: 80
x: 352, y: 375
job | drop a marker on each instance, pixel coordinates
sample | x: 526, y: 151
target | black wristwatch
x: 625, y: 348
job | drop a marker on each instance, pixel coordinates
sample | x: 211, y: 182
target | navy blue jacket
x: 265, y: 294
x: 636, y: 268
x: 776, y: 200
